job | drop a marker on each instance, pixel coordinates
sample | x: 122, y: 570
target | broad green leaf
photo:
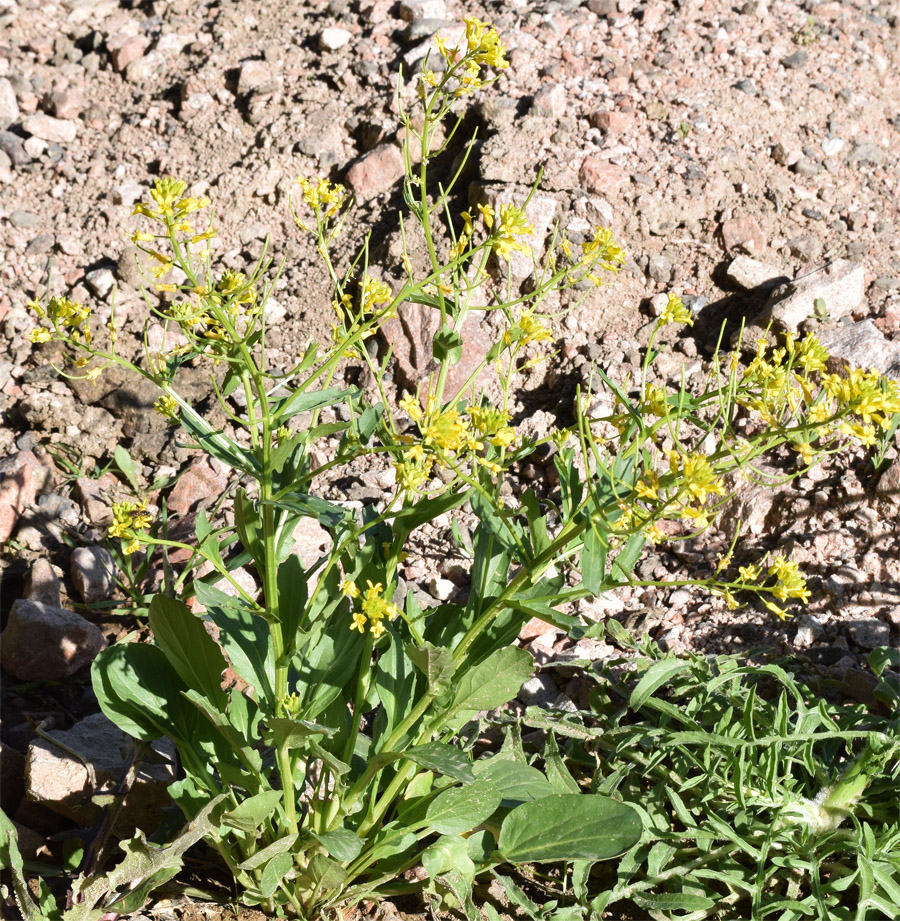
x: 249, y: 528
x: 627, y: 557
x: 568, y: 826
x: 282, y: 731
x: 446, y: 345
x: 436, y: 663
x: 451, y: 873
x: 655, y: 677
x: 307, y: 401
x: 245, y: 638
x: 518, y: 783
x: 326, y: 874
x: 252, y: 812
x: 593, y: 560
x: 135, y: 687
x: 443, y: 758
x: 213, y: 441
x: 257, y: 859
x: 274, y: 873
x: 342, y: 844
x: 326, y: 513
x: 673, y: 901
x: 293, y: 598
x: 126, y: 465
x: 493, y: 682
x: 191, y: 651
x: 396, y: 680
x: 460, y: 809
x: 445, y: 854
x: 241, y: 746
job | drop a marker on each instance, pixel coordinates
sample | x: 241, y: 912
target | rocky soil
x: 731, y: 147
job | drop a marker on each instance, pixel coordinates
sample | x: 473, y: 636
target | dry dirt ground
x: 700, y: 131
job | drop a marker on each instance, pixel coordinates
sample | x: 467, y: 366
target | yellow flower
x: 40, y: 335
x: 468, y: 227
x: 675, y: 312
x: 168, y: 407
x: 348, y: 589
x: 749, y: 573
x: 694, y: 473
x: 487, y: 215
x: 322, y: 195
x: 374, y: 292
x: 375, y: 608
x: 484, y: 43
x: 512, y: 223
x: 603, y: 249
x: 647, y: 487
x: 654, y: 403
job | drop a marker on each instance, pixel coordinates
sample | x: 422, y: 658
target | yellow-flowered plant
x: 341, y: 760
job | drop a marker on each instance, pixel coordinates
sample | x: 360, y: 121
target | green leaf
x: 568, y: 826
x: 192, y: 652
x: 326, y: 513
x: 126, y: 465
x: 249, y: 528
x: 245, y: 637
x: 252, y: 812
x: 136, y: 687
x: 293, y: 598
x: 627, y: 557
x: 342, y: 844
x: 447, y: 346
x: 445, y: 759
x: 493, y: 682
x: 518, y: 783
x: 425, y: 510
x: 655, y: 677
x: 281, y: 846
x: 673, y: 901
x: 304, y: 402
x: 207, y: 540
x: 593, y: 560
x: 460, y: 809
x: 882, y: 658
x: 213, y: 441
x: 292, y: 733
x: 326, y: 874
x: 554, y: 767
x: 436, y: 663
x: 274, y: 873
x: 451, y: 873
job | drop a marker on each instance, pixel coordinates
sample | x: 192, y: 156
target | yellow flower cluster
x: 446, y: 432
x: 601, y: 251
x: 172, y: 206
x: 527, y: 329
x: 70, y: 316
x: 167, y: 407
x: 374, y: 607
x: 322, y: 195
x: 780, y: 383
x: 483, y: 49
x: 512, y: 223
x: 129, y: 518
x: 788, y: 583
x: 675, y: 312
x: 373, y: 292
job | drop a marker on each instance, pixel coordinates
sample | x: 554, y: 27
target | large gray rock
x: 60, y: 781
x: 94, y: 573
x: 863, y: 345
x: 841, y: 286
x: 41, y: 641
